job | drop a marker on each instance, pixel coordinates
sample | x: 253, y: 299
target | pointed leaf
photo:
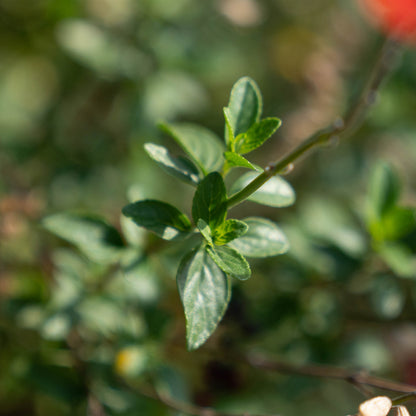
x: 205, y: 292
x: 179, y: 167
x: 93, y: 236
x: 263, y: 239
x: 201, y: 144
x: 230, y: 261
x: 257, y: 134
x: 163, y: 219
x: 228, y: 231
x: 276, y: 192
x: 209, y: 201
x: 203, y: 227
x: 234, y: 160
x: 245, y: 105
x: 229, y: 133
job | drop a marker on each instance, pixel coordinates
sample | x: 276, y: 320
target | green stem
x: 341, y: 127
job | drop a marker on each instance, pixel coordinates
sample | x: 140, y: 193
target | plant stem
x: 339, y: 128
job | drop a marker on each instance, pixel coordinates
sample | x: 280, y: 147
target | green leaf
x: 205, y: 292
x: 201, y: 144
x: 257, y: 134
x: 399, y: 258
x: 99, y: 241
x: 209, y: 201
x: 245, y: 105
x: 179, y: 167
x: 228, y: 231
x: 384, y: 191
x: 203, y: 227
x: 234, y: 160
x: 163, y: 219
x: 230, y: 261
x: 229, y: 134
x: 396, y: 223
x: 276, y: 192
x: 263, y: 239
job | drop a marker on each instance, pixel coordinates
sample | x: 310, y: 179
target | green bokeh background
x: 83, y: 85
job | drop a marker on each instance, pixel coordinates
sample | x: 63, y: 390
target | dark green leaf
x: 203, y: 227
x: 234, y: 160
x: 263, y: 239
x: 230, y: 261
x: 257, y: 134
x: 205, y: 292
x: 94, y: 237
x: 276, y: 192
x: 163, y: 219
x: 228, y: 231
x: 209, y: 202
x: 245, y: 105
x: 201, y: 144
x: 384, y: 191
x: 179, y: 167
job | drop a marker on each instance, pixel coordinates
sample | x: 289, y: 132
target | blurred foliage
x: 82, y: 86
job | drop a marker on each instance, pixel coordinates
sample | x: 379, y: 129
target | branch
x: 339, y: 128
x: 183, y: 407
x: 353, y: 377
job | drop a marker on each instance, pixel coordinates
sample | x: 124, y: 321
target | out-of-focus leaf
x: 384, y: 191
x: 230, y: 261
x: 276, y: 192
x: 257, y: 134
x: 387, y: 297
x: 245, y: 105
x: 263, y: 239
x: 201, y: 144
x: 163, y: 219
x: 179, y: 167
x: 209, y: 201
x: 94, y: 237
x: 399, y: 258
x: 205, y: 292
x: 229, y: 230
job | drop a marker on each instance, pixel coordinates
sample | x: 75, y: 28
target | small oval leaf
x: 263, y: 239
x: 230, y: 261
x: 234, y: 160
x: 276, y: 192
x: 228, y: 231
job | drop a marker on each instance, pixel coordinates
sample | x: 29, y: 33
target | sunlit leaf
x: 230, y: 261
x: 228, y: 231
x: 276, y: 192
x: 234, y: 160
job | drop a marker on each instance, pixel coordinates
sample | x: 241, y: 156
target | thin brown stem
x: 350, y: 376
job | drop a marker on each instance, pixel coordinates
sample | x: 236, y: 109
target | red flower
x: 395, y: 17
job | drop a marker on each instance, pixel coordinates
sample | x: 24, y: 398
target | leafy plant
x: 205, y: 272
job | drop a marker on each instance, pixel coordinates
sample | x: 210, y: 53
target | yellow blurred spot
x: 130, y: 361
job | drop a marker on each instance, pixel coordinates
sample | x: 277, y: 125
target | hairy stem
x: 339, y: 128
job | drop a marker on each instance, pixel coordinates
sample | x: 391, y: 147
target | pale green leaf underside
x: 276, y: 192
x: 201, y: 144
x: 94, y: 237
x: 179, y: 167
x: 230, y: 261
x: 205, y: 292
x: 163, y: 219
x: 209, y: 201
x: 204, y: 229
x: 263, y: 239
